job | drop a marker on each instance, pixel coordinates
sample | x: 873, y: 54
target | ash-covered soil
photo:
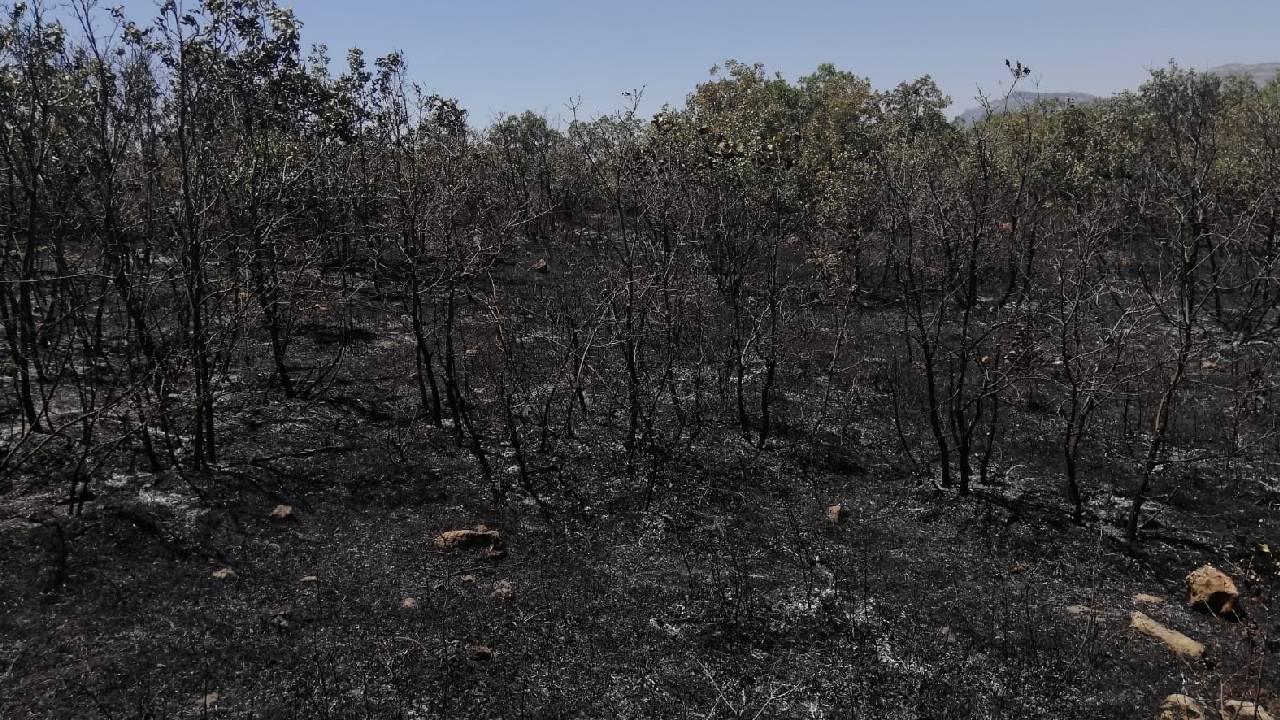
x: 718, y: 589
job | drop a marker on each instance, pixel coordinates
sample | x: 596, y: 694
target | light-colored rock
x: 409, y: 603
x: 1208, y: 588
x: 224, y: 574
x: 837, y: 513
x: 1174, y: 640
x: 1243, y: 710
x: 481, y: 652
x: 541, y: 266
x: 282, y: 512
x: 472, y: 537
x: 503, y: 590
x: 1182, y: 707
x: 1145, y: 599
x: 309, y: 579
x: 1092, y: 612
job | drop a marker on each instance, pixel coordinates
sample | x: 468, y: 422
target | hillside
x: 1260, y: 73
x: 796, y: 400
x: 1019, y: 99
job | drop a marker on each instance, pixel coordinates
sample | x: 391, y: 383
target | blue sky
x: 512, y: 55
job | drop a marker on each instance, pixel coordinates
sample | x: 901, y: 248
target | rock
x: 309, y: 579
x: 468, y: 579
x: 282, y: 513
x: 837, y: 513
x: 481, y: 652
x: 1145, y: 599
x: 503, y: 590
x: 209, y: 699
x: 1093, y: 613
x: 1208, y: 588
x: 1243, y: 710
x: 224, y: 574
x: 541, y: 266
x: 278, y: 618
x: 468, y: 538
x: 409, y: 603
x: 1176, y: 641
x: 1182, y: 707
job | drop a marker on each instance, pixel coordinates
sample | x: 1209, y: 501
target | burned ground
x: 797, y: 400
x: 722, y: 591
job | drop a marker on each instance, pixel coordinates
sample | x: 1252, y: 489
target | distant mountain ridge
x: 1260, y: 73
x: 1019, y: 99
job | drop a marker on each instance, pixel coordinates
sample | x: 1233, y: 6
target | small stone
x: 224, y: 574
x: 1181, y: 707
x: 481, y: 652
x: 541, y: 266
x: 472, y: 537
x: 837, y: 513
x: 409, y: 603
x: 282, y: 513
x: 1243, y: 710
x: 1145, y: 599
x: 468, y: 579
x: 503, y: 590
x: 309, y: 579
x: 209, y: 699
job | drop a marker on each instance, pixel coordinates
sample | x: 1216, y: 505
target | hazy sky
x: 512, y: 55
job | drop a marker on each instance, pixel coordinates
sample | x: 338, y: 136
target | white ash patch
x: 801, y: 602
x: 886, y: 655
x: 176, y: 501
x: 121, y: 480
